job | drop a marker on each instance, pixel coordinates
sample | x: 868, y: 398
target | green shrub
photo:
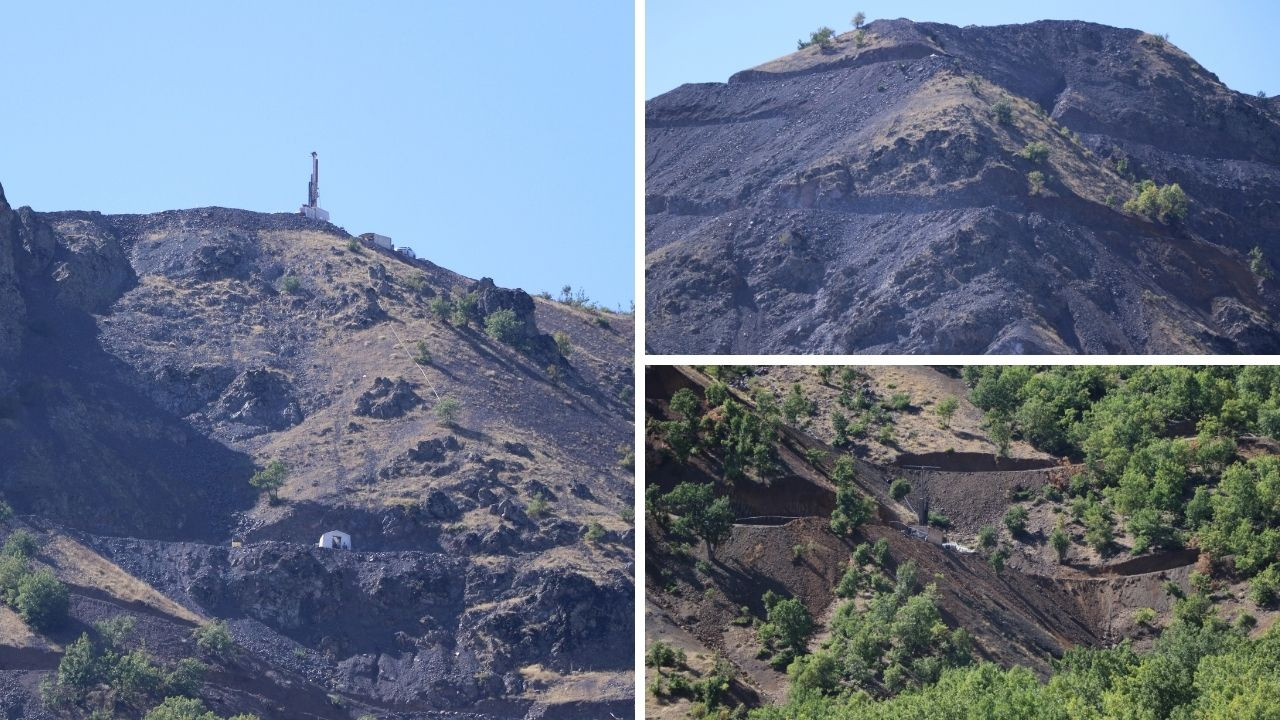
x: 1164, y: 203
x: 595, y: 532
x: 661, y: 655
x: 1099, y: 532
x: 42, y: 600
x: 423, y: 357
x: 353, y: 245
x: 1258, y: 263
x: 1016, y: 520
x: 999, y: 427
x: 1264, y: 588
x: 899, y: 488
x: 116, y: 630
x: 416, y: 282
x: 939, y: 520
x: 502, y: 325
x: 214, y: 638
x: 1037, y: 152
x: 852, y: 508
x: 946, y: 410
x: 987, y: 537
x: 182, y: 708
x: 1144, y: 616
x: 271, y: 478
x: 789, y: 625
x: 563, y: 343
x: 858, y: 19
x: 797, y: 407
x: 538, y: 507
x: 12, y: 569
x: 460, y: 315
x: 1059, y: 541
x: 840, y: 425
x: 1002, y: 110
x: 447, y: 410
x: 850, y: 582
x: 997, y: 560
x: 1035, y: 181
x: 885, y: 435
x: 290, y: 284
x: 880, y: 552
x: 442, y: 307
x: 899, y: 401
x: 822, y: 37
x: 20, y: 544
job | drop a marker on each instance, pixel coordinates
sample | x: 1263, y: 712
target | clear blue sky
x: 495, y: 138
x: 709, y: 40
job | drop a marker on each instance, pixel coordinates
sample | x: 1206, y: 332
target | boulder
x: 387, y: 399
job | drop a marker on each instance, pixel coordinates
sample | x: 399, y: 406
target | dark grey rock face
x: 387, y: 399
x: 870, y: 201
x: 259, y: 400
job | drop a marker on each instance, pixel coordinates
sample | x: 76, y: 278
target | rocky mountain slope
x: 1027, y: 612
x: 877, y: 196
x: 150, y: 364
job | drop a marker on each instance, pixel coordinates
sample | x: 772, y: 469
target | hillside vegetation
x: 1110, y: 553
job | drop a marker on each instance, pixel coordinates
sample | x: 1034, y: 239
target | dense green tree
x: 852, y: 507
x: 999, y: 428
x: 700, y: 512
x: 798, y: 407
x: 271, y: 478
x: 42, y: 600
x: 20, y: 544
x: 946, y: 410
x: 1165, y: 203
x: 681, y: 434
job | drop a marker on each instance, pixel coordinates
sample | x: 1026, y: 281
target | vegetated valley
x: 189, y: 399
x: 916, y: 542
x: 914, y: 187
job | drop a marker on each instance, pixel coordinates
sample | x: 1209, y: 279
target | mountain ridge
x: 881, y: 166
x: 152, y: 363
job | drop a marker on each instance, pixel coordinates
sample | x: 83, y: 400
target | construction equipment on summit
x: 312, y: 208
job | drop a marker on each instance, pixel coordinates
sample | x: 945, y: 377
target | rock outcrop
x: 387, y: 399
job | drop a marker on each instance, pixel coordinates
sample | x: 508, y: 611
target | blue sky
x: 495, y: 138
x: 709, y: 40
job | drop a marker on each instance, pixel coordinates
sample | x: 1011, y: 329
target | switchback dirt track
x: 1025, y: 615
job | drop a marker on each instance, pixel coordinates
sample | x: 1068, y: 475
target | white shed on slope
x: 335, y: 539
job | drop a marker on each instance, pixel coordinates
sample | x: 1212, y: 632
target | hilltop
x: 471, y: 439
x: 923, y: 188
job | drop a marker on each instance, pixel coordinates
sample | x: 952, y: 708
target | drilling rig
x: 312, y: 208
